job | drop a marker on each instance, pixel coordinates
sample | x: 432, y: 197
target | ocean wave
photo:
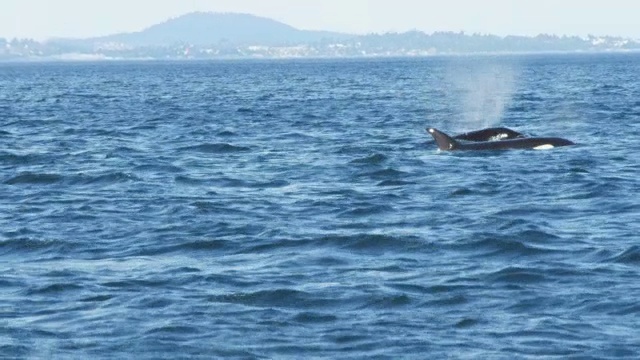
x: 395, y: 183
x: 385, y: 174
x: 159, y: 168
x: 374, y: 242
x: 630, y: 256
x: 227, y: 133
x: 181, y: 330
x: 215, y: 148
x: 102, y: 179
x: 34, y: 179
x: 9, y: 158
x: 185, y: 248
x: 518, y: 275
x: 504, y: 245
x: 307, y: 317
x: 278, y: 298
x: 26, y: 245
x: 51, y: 289
x: 364, y: 210
x: 373, y: 159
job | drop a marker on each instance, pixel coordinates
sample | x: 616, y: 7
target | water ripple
x: 214, y: 148
x: 297, y: 209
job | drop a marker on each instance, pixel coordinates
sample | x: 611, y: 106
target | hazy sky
x: 41, y: 19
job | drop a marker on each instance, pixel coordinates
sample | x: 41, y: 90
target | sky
x: 42, y: 19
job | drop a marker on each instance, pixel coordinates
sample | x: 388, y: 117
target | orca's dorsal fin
x: 444, y: 141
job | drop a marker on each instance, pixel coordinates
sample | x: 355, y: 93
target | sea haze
x: 199, y: 36
x: 298, y: 209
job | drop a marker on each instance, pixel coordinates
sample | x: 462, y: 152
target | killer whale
x: 445, y: 142
x: 490, y: 134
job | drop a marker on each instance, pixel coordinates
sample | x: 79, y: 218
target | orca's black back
x: 489, y: 134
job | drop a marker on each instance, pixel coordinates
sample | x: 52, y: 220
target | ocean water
x: 298, y: 209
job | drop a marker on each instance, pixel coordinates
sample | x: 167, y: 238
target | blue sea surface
x: 298, y: 209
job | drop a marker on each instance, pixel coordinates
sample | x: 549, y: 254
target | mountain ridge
x: 208, y: 28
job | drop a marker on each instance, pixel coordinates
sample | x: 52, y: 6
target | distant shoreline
x: 213, y: 36
x: 102, y: 59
